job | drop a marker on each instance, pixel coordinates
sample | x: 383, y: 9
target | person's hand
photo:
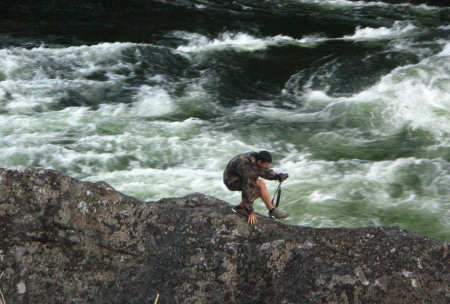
x: 252, y: 219
x: 282, y: 177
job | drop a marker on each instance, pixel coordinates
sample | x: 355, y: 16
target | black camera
x: 282, y: 177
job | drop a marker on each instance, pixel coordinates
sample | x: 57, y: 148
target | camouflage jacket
x: 241, y: 174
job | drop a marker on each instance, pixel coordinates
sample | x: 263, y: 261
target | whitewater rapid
x: 361, y: 125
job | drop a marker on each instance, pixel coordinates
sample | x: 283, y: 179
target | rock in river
x: 67, y: 241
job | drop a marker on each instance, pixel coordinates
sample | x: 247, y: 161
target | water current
x: 154, y: 97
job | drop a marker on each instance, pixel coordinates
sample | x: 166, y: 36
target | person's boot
x: 278, y: 214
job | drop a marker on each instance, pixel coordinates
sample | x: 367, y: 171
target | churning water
x: 352, y: 99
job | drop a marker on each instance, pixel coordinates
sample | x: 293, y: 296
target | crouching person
x: 243, y: 173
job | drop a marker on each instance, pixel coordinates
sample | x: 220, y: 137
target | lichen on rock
x: 67, y: 241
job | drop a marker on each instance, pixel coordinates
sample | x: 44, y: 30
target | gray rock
x: 67, y: 241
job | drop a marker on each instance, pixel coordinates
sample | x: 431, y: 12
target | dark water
x: 155, y: 97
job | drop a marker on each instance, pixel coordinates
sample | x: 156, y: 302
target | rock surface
x: 67, y: 241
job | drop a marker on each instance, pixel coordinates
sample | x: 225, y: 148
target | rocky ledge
x: 67, y: 241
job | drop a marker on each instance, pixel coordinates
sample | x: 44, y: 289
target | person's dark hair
x: 264, y: 156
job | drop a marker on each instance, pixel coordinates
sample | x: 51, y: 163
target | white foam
x: 416, y: 95
x: 399, y: 29
x: 152, y: 102
x: 150, y: 183
x: 444, y: 27
x: 445, y: 52
x: 345, y: 4
x: 312, y: 39
x: 40, y: 77
x: 244, y: 42
x: 60, y: 63
x: 239, y: 41
x: 333, y: 184
x: 31, y: 96
x: 227, y: 40
x: 324, y: 4
x: 199, y: 42
x: 318, y: 197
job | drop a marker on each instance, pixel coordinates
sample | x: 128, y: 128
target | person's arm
x: 269, y: 174
x: 272, y: 175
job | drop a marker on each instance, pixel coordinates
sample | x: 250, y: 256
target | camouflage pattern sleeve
x: 269, y: 174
